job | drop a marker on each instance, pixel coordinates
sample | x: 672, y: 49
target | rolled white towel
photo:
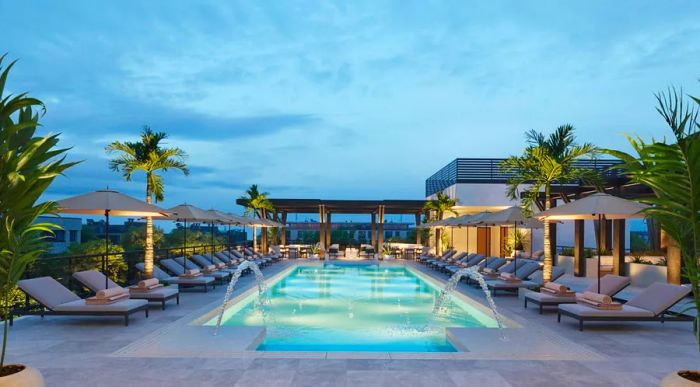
x: 147, y: 283
x: 111, y: 292
x: 596, y: 297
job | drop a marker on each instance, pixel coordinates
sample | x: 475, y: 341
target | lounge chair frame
x: 662, y: 317
x: 46, y: 311
x: 542, y: 304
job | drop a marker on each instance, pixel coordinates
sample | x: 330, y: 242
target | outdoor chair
x: 530, y: 269
x: 206, y: 269
x: 56, y: 299
x: 177, y: 270
x: 95, y: 281
x: 652, y: 304
x: 609, y: 285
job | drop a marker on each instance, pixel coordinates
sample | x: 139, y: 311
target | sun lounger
x: 206, y: 260
x: 95, y: 281
x: 430, y: 257
x: 209, y: 269
x: 56, y: 299
x: 449, y: 261
x: 609, y: 284
x: 178, y: 270
x: 652, y: 304
x: 442, y: 258
x: 473, y: 259
x: 530, y: 269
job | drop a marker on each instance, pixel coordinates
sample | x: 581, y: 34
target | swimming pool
x: 353, y: 308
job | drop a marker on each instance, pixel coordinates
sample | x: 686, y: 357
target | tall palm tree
x: 438, y: 206
x: 545, y: 161
x: 148, y: 156
x: 257, y: 204
x: 672, y: 171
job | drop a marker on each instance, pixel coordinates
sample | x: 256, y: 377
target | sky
x: 339, y: 100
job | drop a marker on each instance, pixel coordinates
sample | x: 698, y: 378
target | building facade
x: 479, y: 184
x: 358, y: 232
x: 68, y: 234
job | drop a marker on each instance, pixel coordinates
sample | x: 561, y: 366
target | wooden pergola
x: 325, y: 208
x: 612, y: 236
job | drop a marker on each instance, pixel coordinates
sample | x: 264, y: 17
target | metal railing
x: 121, y: 266
x: 485, y: 170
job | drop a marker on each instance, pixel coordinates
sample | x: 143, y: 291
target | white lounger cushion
x: 658, y: 297
x: 48, y: 291
x: 119, y: 306
x: 549, y: 298
x: 609, y: 284
x: 501, y: 284
x: 167, y: 278
x: 587, y: 311
x: 94, y: 280
x: 155, y: 294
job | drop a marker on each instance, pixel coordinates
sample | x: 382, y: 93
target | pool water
x: 353, y: 308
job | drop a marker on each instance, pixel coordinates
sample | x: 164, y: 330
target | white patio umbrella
x: 597, y: 206
x: 511, y: 216
x: 108, y: 203
x: 188, y: 213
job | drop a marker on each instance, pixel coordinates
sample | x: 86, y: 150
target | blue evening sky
x: 339, y: 100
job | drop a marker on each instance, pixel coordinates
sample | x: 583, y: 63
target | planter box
x: 644, y: 275
x: 567, y: 263
x: 592, y: 265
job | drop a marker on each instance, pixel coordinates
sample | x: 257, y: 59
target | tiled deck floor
x: 76, y: 352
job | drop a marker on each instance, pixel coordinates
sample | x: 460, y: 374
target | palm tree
x: 30, y: 163
x: 257, y: 204
x: 672, y: 171
x: 438, y: 207
x: 545, y: 161
x: 148, y: 156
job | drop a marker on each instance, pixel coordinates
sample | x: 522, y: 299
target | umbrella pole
x: 104, y: 257
x: 228, y: 238
x: 515, y: 245
x: 598, y: 243
x: 184, y: 248
x: 212, y: 239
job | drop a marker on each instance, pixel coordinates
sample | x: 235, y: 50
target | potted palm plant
x: 29, y: 165
x: 672, y: 171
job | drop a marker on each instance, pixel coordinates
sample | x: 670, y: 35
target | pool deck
x: 167, y: 349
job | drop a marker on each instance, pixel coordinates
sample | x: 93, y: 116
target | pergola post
x: 328, y: 228
x: 618, y: 246
x: 373, y: 231
x: 321, y: 226
x: 380, y: 232
x: 673, y: 260
x: 418, y: 230
x: 283, y: 230
x: 579, y: 257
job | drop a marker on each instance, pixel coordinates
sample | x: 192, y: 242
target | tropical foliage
x: 672, y: 170
x: 257, y: 205
x: 437, y: 208
x: 149, y: 156
x: 135, y: 238
x: 95, y: 250
x: 547, y: 160
x: 29, y: 165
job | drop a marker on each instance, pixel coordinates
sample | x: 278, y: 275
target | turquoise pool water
x: 353, y: 308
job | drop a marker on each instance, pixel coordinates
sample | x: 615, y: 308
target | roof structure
x: 309, y: 206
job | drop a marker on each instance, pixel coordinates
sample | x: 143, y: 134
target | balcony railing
x: 478, y: 170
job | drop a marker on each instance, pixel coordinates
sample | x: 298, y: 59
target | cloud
x: 345, y: 99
